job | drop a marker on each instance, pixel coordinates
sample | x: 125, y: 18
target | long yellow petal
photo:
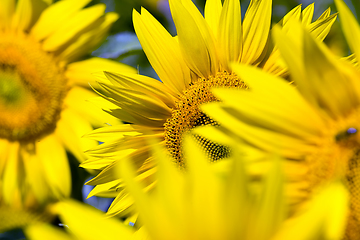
x: 82, y: 72
x: 195, y: 38
x: 71, y: 127
x: 162, y: 50
x: 261, y: 82
x: 307, y: 14
x: 12, y: 177
x: 43, y: 231
x: 35, y: 175
x: 85, y: 222
x: 77, y: 99
x: 54, y: 16
x: 27, y: 11
x: 212, y: 14
x: 256, y: 27
x: 89, y: 40
x: 321, y: 28
x: 53, y: 157
x: 6, y: 12
x: 230, y: 33
x: 290, y: 52
x: 69, y: 30
x: 331, y: 89
x: 146, y: 85
x: 350, y: 27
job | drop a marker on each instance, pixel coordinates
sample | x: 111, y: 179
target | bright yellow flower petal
x: 64, y: 34
x: 256, y: 29
x: 164, y: 56
x: 350, y: 27
x: 200, y: 52
x: 6, y: 12
x: 54, y: 16
x: 213, y: 9
x: 230, y: 35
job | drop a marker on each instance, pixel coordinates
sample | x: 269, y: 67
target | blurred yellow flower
x: 209, y: 201
x: 188, y: 65
x: 313, y: 125
x: 43, y: 111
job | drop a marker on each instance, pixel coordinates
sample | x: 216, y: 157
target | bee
x: 344, y: 135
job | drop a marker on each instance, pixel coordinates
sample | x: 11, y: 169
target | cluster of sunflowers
x: 251, y: 133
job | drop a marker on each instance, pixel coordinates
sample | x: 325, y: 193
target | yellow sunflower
x: 314, y: 125
x: 43, y: 88
x: 220, y: 204
x: 188, y: 65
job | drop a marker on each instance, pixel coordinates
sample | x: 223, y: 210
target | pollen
x: 187, y: 115
x: 32, y: 89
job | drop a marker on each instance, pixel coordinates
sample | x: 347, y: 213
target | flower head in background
x: 314, y: 125
x: 188, y: 65
x: 43, y: 111
x: 209, y: 201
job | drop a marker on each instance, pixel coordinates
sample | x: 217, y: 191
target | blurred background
x: 122, y: 45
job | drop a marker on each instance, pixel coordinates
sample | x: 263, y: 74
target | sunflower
x: 220, y: 204
x: 43, y: 112
x: 313, y: 125
x: 188, y: 65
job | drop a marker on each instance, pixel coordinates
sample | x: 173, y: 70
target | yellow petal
x: 6, y: 13
x: 212, y: 14
x: 162, y: 50
x: 105, y: 189
x: 257, y: 136
x: 307, y: 14
x: 85, y: 221
x: 270, y: 210
x: 146, y: 85
x: 27, y: 11
x: 256, y: 27
x: 295, y: 13
x: 332, y: 90
x: 12, y: 177
x: 230, y: 32
x: 53, y: 157
x: 81, y: 73
x: 4, y: 147
x: 321, y: 28
x: 142, y: 200
x: 54, y: 16
x: 195, y: 38
x: 35, y: 175
x: 350, y: 27
x: 290, y: 52
x: 324, y: 223
x: 77, y: 99
x: 90, y: 39
x: 325, y: 14
x: 261, y: 82
x: 71, y: 28
x: 71, y: 127
x: 138, y: 102
x: 112, y: 133
x: 44, y: 231
x: 122, y: 204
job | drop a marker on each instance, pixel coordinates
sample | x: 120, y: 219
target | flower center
x: 187, y: 115
x: 32, y: 89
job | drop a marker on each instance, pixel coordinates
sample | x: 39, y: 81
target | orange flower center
x: 187, y: 115
x: 32, y: 89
